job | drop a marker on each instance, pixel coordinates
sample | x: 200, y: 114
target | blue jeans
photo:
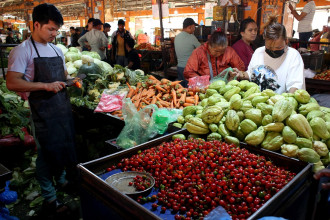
x: 184, y: 82
x: 45, y: 175
x: 304, y: 36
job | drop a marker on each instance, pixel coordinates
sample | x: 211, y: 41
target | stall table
x: 101, y: 201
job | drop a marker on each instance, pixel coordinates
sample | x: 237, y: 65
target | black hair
x: 274, y: 30
x: 130, y: 42
x: 90, y: 20
x: 243, y: 27
x: 218, y: 38
x: 71, y: 28
x: 106, y: 25
x: 45, y: 12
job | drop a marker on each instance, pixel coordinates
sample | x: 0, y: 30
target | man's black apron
x: 52, y: 114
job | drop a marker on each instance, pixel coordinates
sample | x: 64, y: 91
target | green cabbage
x: 94, y: 55
x: 71, y: 56
x: 77, y: 64
x: 73, y: 49
x: 62, y: 47
x: 86, y: 59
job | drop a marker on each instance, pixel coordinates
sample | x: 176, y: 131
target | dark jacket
x: 114, y: 43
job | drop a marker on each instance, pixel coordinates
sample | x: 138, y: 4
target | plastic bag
x: 136, y: 129
x: 199, y: 82
x: 219, y: 213
x: 160, y: 120
x: 8, y: 196
x: 308, y: 73
x: 110, y: 102
x: 224, y: 75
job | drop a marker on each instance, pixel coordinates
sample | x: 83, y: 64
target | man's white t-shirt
x: 21, y: 57
x: 96, y: 39
x: 305, y: 25
x: 289, y: 70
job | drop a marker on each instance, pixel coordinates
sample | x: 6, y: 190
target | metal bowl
x: 120, y: 181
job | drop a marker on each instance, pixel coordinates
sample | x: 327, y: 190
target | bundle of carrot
x: 164, y: 93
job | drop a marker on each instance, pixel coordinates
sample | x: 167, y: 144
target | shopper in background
x: 132, y: 55
x: 88, y: 27
x: 30, y: 72
x: 305, y: 19
x: 18, y: 37
x: 106, y: 29
x: 184, y: 44
x: 316, y: 38
x: 96, y: 39
x: 74, y: 37
x: 10, y: 38
x: 119, y: 39
x: 248, y: 33
x: 143, y: 38
x: 285, y: 61
x: 212, y: 58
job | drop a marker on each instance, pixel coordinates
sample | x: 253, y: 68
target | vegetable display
x: 164, y: 93
x: 325, y: 75
x: 195, y: 176
x: 14, y: 114
x: 284, y: 123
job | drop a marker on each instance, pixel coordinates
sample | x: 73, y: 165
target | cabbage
x: 138, y: 71
x: 62, y: 47
x: 87, y: 59
x: 98, y: 62
x: 73, y: 49
x: 71, y: 70
x: 85, y: 53
x: 94, y: 55
x: 68, y: 64
x: 106, y: 67
x: 77, y: 64
x: 71, y: 56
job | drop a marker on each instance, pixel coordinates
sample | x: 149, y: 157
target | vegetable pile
x: 100, y: 76
x: 293, y: 124
x: 195, y: 176
x: 164, y: 93
x: 323, y: 76
x: 147, y: 46
x: 14, y: 113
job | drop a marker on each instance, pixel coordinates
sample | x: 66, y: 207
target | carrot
x: 129, y: 86
x: 181, y: 90
x: 182, y: 99
x: 159, y: 95
x: 187, y: 104
x: 145, y: 101
x: 196, y: 98
x: 173, y: 95
x: 165, y: 96
x: 160, y: 88
x: 144, y: 92
x: 130, y: 93
x: 190, y: 100
x: 154, y: 99
x: 190, y: 93
x: 174, y: 83
x: 164, y: 103
x: 164, y: 81
x: 137, y: 103
x: 138, y: 85
x: 151, y: 92
x: 159, y: 105
x: 178, y: 86
x: 172, y: 105
x: 154, y: 79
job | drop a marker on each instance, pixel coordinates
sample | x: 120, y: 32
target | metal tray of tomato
x: 299, y: 190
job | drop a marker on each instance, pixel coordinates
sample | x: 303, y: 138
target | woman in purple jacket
x: 248, y: 33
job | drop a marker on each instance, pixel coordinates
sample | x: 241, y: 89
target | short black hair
x: 90, y: 20
x: 71, y: 28
x: 218, y: 38
x: 121, y: 22
x: 130, y: 42
x: 45, y: 12
x: 106, y: 25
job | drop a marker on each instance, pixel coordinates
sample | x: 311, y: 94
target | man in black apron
x: 37, y: 68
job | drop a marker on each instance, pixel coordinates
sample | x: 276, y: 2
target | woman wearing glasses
x: 276, y: 66
x: 212, y: 58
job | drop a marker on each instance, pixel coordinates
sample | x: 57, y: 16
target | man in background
x: 106, y: 29
x: 96, y: 39
x: 74, y: 37
x: 88, y: 27
x: 119, y: 39
x: 184, y: 44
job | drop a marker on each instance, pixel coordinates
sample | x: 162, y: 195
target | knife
x: 75, y: 81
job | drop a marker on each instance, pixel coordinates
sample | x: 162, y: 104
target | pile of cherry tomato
x: 323, y: 76
x: 140, y: 183
x: 194, y: 177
